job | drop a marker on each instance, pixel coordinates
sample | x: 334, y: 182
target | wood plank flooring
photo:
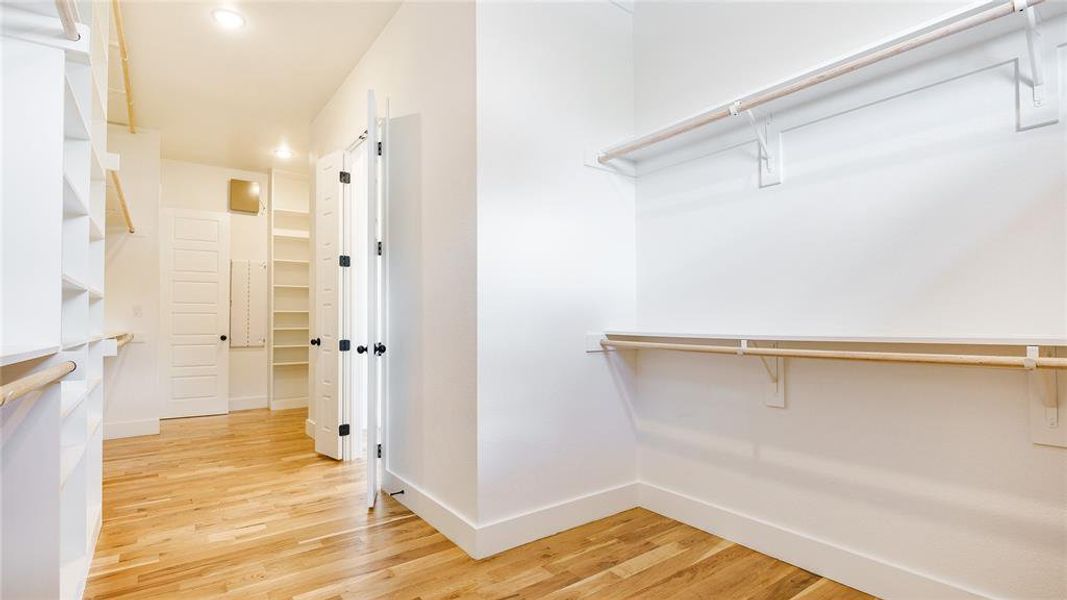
x: 241, y: 506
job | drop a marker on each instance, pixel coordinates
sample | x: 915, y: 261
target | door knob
x: 361, y: 349
x: 379, y: 349
x: 316, y: 342
x: 222, y: 337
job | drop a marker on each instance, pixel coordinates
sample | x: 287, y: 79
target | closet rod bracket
x: 775, y: 368
x: 1037, y: 87
x: 1043, y: 388
x: 769, y: 141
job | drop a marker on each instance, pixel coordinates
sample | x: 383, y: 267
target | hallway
x: 241, y: 505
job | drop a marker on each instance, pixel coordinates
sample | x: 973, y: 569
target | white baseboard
x: 125, y: 429
x: 248, y: 403
x: 514, y: 531
x: 287, y: 403
x: 852, y: 568
x: 451, y: 524
x: 492, y: 538
x: 309, y: 428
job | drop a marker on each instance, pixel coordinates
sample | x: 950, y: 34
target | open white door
x: 327, y: 387
x: 195, y: 310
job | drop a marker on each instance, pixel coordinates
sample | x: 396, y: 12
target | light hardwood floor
x: 241, y: 506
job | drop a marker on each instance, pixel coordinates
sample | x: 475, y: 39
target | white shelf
x: 96, y: 232
x: 69, y: 457
x: 75, y: 344
x: 291, y: 287
x: 954, y: 341
x: 94, y: 424
x: 290, y: 329
x: 295, y: 312
x: 73, y: 284
x: 291, y: 364
x: 292, y: 233
x: 291, y: 212
x: 74, y: 204
x: 95, y: 294
x: 10, y: 355
x: 290, y: 345
x: 75, y: 119
x: 292, y: 261
x: 73, y: 394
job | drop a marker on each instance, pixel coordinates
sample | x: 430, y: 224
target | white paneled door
x: 327, y: 387
x: 194, y: 312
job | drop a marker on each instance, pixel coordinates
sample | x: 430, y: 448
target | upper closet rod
x: 759, y: 98
x: 68, y: 16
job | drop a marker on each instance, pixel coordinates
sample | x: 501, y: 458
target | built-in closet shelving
x: 290, y: 282
x: 55, y: 164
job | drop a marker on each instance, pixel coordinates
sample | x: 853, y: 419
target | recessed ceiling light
x: 228, y: 19
x: 283, y: 152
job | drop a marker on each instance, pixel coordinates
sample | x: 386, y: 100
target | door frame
x: 167, y: 216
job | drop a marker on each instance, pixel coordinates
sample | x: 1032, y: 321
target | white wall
x: 423, y: 63
x: 132, y: 405
x: 925, y: 214
x: 206, y: 187
x: 555, y: 257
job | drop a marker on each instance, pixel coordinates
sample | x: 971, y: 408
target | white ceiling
x: 230, y: 97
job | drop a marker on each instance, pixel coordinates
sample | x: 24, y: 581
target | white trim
x: 850, y: 567
x: 125, y: 429
x: 309, y: 428
x: 443, y: 518
x: 248, y: 403
x: 481, y: 541
x: 287, y: 403
x: 513, y: 531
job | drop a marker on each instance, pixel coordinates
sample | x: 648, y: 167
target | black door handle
x: 316, y: 342
x: 222, y: 337
x: 361, y: 349
x: 379, y: 349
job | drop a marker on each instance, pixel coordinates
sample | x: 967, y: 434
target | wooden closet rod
x: 122, y: 200
x: 124, y: 56
x: 812, y: 79
x: 68, y: 16
x: 122, y: 340
x: 1021, y: 362
x: 34, y: 381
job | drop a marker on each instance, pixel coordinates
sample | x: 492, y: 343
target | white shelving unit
x: 54, y: 161
x: 290, y: 297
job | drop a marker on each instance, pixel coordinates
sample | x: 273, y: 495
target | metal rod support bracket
x: 769, y: 140
x: 1037, y: 86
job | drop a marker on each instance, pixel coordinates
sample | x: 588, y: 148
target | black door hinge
x: 379, y: 248
x: 342, y: 430
x: 379, y: 148
x: 346, y: 261
x: 344, y: 345
x: 379, y: 450
x: 346, y: 177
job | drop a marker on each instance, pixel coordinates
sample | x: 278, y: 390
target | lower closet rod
x: 34, y: 381
x: 1021, y: 362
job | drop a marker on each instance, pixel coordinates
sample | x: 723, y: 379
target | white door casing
x: 194, y: 310
x: 376, y: 356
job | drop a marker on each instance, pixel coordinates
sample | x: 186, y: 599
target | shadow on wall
x: 406, y: 420
x: 748, y: 448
